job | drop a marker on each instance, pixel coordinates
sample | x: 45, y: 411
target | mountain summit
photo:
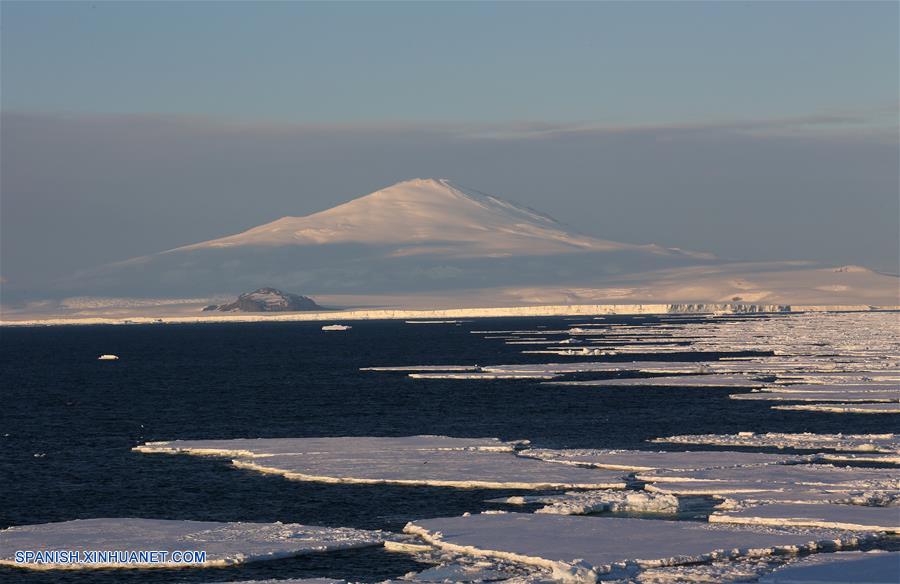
x: 428, y: 216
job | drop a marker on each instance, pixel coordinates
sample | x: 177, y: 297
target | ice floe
x: 834, y: 516
x: 579, y: 548
x: 889, y: 396
x: 887, y: 443
x: 675, y: 381
x: 780, y: 474
x: 404, y: 368
x: 643, y: 460
x: 840, y: 408
x: 486, y: 376
x: 410, y: 460
x: 873, y: 567
x: 224, y: 543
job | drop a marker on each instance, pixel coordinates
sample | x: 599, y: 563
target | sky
x: 754, y: 130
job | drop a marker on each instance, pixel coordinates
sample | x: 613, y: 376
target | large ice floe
x: 581, y: 549
x: 409, y: 460
x: 873, y: 567
x: 224, y: 543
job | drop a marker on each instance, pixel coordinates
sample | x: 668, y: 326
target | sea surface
x: 68, y: 423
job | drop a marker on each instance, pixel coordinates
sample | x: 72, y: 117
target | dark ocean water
x: 82, y: 417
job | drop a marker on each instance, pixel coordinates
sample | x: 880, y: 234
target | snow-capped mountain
x: 415, y: 236
x: 428, y: 216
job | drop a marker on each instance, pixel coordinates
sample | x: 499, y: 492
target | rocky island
x: 267, y: 300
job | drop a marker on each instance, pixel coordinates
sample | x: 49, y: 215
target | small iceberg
x: 336, y: 327
x: 108, y: 358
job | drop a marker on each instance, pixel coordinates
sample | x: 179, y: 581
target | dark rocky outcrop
x: 269, y: 300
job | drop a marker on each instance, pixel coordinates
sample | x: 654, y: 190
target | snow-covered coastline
x: 403, y: 314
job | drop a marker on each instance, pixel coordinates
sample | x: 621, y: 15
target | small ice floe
x: 852, y: 517
x: 838, y: 388
x: 336, y: 327
x: 674, y: 381
x: 602, y: 367
x: 483, y: 375
x: 410, y: 460
x: 887, y: 396
x: 886, y: 443
x: 108, y: 357
x: 223, y: 543
x: 404, y: 368
x: 580, y: 549
x: 840, y: 408
x: 874, y: 567
x: 645, y: 460
x: 585, y: 502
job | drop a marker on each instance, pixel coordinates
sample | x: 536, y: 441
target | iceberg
x: 224, y: 543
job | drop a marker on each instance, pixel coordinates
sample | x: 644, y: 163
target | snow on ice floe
x: 674, y: 381
x: 873, y: 567
x: 224, y: 543
x: 585, y: 502
x: 886, y: 443
x: 833, y: 516
x: 410, y: 460
x: 580, y: 548
x: 841, y: 408
x: 644, y: 460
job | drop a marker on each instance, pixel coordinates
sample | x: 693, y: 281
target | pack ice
x: 410, y: 460
x: 224, y: 543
